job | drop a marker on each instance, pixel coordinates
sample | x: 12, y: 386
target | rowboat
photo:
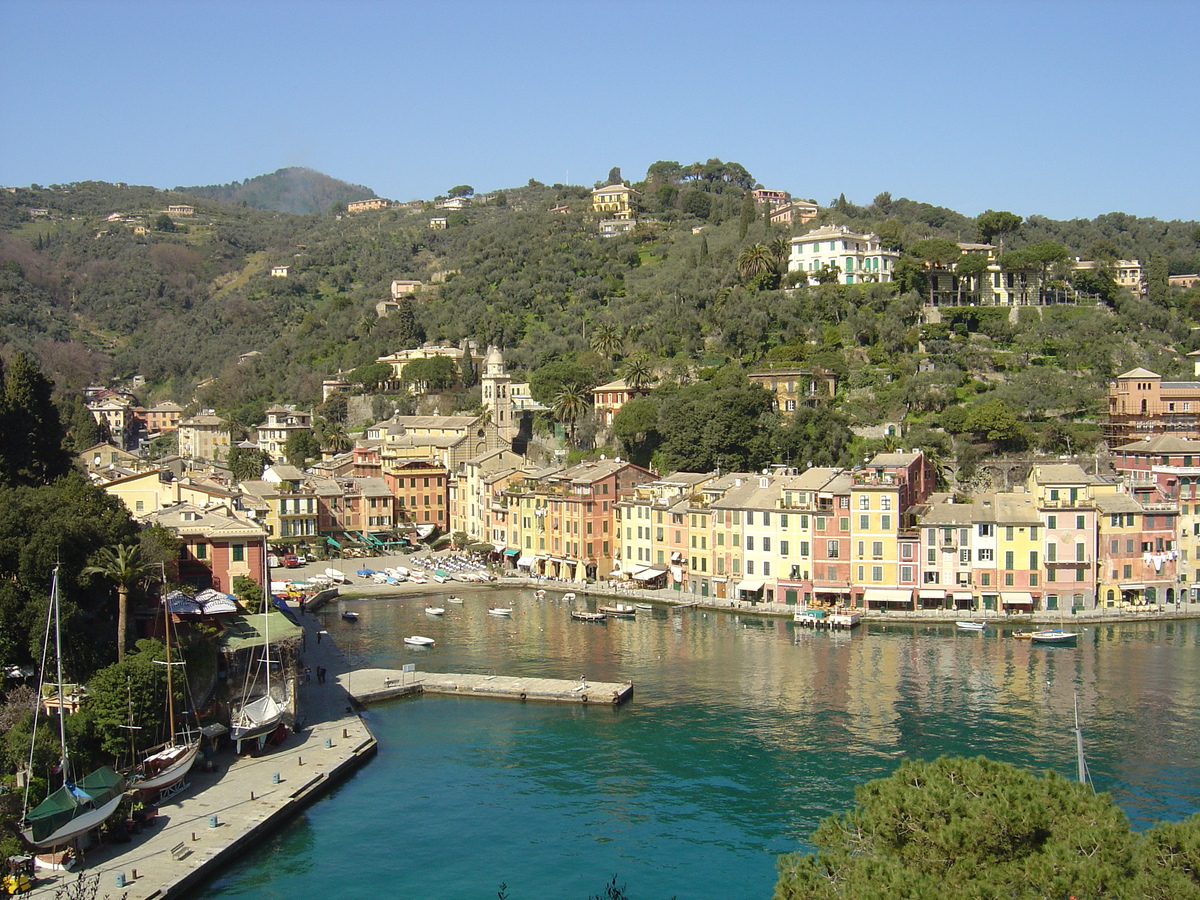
x: 435, y: 610
x: 499, y: 610
x: 418, y: 640
x: 584, y: 616
x: 972, y: 626
x: 618, y: 611
x: 454, y: 600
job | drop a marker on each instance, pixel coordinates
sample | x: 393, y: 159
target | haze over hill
x: 294, y: 189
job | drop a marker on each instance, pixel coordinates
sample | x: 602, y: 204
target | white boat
x: 77, y: 806
x: 568, y: 596
x: 499, y: 610
x: 643, y: 606
x: 454, y: 600
x: 418, y: 640
x: 618, y: 611
x: 260, y: 711
x: 972, y: 626
x: 417, y: 579
x: 435, y: 610
x: 336, y: 576
x: 584, y: 615
x: 323, y: 581
x: 350, y: 615
x: 540, y: 595
x: 1053, y: 636
x: 380, y: 577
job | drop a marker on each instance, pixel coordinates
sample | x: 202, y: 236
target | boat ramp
x: 368, y: 686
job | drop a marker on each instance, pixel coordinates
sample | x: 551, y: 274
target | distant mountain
x: 291, y: 190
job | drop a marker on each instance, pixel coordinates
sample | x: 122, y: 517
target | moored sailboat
x: 260, y: 713
x: 77, y: 806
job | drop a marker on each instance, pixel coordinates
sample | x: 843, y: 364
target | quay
x: 377, y: 685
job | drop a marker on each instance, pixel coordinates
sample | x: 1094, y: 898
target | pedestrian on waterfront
x: 304, y: 640
x: 318, y: 637
x: 307, y: 674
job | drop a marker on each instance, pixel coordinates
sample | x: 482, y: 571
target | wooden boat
x: 618, y: 611
x: 584, y: 615
x: 972, y: 626
x: 164, y: 768
x: 417, y: 640
x: 350, y: 615
x: 77, y: 806
x: 499, y: 610
x: 435, y: 610
x: 1022, y: 635
x: 1054, y: 636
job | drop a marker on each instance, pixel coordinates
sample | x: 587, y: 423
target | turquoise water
x: 742, y: 734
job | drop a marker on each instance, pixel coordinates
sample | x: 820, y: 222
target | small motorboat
x: 540, y: 595
x: 499, y: 610
x: 618, y: 611
x: 1023, y: 635
x: 336, y: 576
x: 643, y: 606
x: 380, y: 577
x: 1054, y: 636
x: 972, y: 626
x: 350, y: 615
x: 435, y: 611
x: 454, y: 600
x: 583, y: 615
x: 418, y: 640
x: 568, y: 596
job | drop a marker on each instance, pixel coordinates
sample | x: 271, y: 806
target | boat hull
x: 55, y: 821
x: 175, y: 761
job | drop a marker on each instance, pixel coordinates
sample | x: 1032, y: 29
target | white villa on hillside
x: 858, y: 258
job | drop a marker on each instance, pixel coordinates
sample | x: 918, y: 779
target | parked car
x: 291, y: 561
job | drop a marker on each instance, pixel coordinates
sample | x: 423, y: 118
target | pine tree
x: 33, y: 450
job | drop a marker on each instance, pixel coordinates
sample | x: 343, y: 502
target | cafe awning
x: 677, y: 574
x: 649, y: 574
x: 931, y: 594
x: 887, y: 595
x: 963, y: 595
x: 752, y: 587
x: 525, y: 562
x: 1133, y: 587
x: 1016, y: 598
x: 511, y: 552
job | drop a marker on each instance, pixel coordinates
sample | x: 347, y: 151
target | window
x: 1080, y: 523
x: 783, y: 548
x: 831, y: 549
x: 864, y: 502
x: 906, y: 573
x: 766, y: 568
x: 1008, y: 532
x: 864, y: 523
x: 885, y: 523
x: 844, y: 523
x: 749, y: 567
x: 804, y: 549
x: 985, y: 578
x: 1079, y: 553
x: 202, y: 549
x: 749, y: 542
x: 749, y: 517
x: 986, y: 555
x: 885, y: 502
x: 783, y: 520
x: 930, y: 577
x: 1051, y: 521
x: 1008, y: 559
x: 862, y: 548
x: 1008, y: 579
x: 1052, y: 552
x: 877, y: 573
x: 986, y: 530
x: 932, y: 555
x: 1127, y: 572
x: 906, y: 551
x: 239, y: 553
x: 877, y: 549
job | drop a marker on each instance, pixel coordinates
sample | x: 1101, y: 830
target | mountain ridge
x: 292, y: 189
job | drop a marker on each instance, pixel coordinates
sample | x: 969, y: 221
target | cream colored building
x: 858, y: 258
x: 204, y: 436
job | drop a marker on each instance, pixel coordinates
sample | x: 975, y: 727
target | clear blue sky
x: 1064, y: 109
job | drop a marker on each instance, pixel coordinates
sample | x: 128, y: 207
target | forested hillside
x: 291, y: 190
x: 104, y: 284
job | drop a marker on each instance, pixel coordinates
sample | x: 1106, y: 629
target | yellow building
x: 616, y: 201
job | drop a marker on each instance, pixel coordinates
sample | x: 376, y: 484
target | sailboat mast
x: 62, y: 712
x: 170, y: 678
x: 1081, y: 762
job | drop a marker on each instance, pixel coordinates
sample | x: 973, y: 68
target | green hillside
x: 696, y: 286
x: 298, y: 190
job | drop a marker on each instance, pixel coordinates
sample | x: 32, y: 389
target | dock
x: 368, y: 686
x: 834, y: 620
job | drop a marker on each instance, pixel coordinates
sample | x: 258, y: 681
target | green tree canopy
x: 124, y: 567
x: 247, y: 463
x: 978, y: 828
x: 547, y: 381
x: 434, y: 374
x: 997, y: 224
x: 301, y: 445
x: 372, y: 375
x: 31, y: 451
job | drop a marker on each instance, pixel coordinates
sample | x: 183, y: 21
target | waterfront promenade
x: 224, y: 812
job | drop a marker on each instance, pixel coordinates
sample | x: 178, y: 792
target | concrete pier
x: 376, y: 685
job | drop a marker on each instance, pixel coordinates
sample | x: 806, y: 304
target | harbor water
x: 743, y: 733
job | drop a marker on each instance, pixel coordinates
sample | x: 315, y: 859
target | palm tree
x: 638, y: 373
x: 607, y: 339
x: 122, y: 565
x: 335, y: 439
x: 754, y: 260
x: 570, y: 405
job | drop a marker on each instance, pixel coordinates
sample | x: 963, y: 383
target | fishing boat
x: 77, y: 806
x: 166, y: 765
x: 972, y: 626
x: 583, y: 615
x: 618, y: 611
x: 499, y: 610
x: 259, y: 714
x: 1053, y: 636
x: 417, y: 640
x: 435, y: 610
x: 336, y: 576
x: 350, y: 615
